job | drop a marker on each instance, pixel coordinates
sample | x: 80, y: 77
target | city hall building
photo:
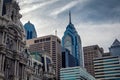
x: 13, y: 58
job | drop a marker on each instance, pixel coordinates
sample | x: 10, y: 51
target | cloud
x: 68, y: 6
x: 101, y: 34
x: 97, y: 21
x: 37, y: 5
x: 100, y: 11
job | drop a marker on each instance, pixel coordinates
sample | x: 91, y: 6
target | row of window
x: 42, y: 40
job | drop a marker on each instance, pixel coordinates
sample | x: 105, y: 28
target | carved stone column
x: 3, y: 61
x: 1, y: 73
x: 0, y: 61
x: 18, y: 69
x: 23, y: 69
x: 3, y: 37
x: 22, y: 73
x: 16, y: 73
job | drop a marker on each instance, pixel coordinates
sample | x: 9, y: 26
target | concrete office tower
x: 115, y: 48
x: 107, y: 68
x: 71, y: 41
x: 30, y: 30
x: 91, y: 52
x: 50, y: 44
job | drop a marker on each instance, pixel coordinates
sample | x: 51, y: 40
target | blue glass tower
x: 67, y: 59
x: 115, y: 48
x: 30, y: 30
x: 71, y: 41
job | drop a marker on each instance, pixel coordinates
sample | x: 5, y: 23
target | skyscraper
x: 30, y: 30
x: 71, y: 41
x: 115, y: 48
x: 67, y: 59
x: 50, y: 44
x: 91, y: 52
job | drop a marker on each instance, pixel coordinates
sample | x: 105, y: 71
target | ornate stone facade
x: 13, y: 58
x: 16, y: 62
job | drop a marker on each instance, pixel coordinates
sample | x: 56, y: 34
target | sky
x: 97, y: 21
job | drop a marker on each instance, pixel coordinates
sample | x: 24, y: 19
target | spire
x: 70, y: 17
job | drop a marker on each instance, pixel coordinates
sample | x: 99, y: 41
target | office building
x: 67, y: 59
x: 115, y: 48
x: 75, y: 73
x: 91, y: 52
x: 71, y: 41
x: 107, y: 68
x: 30, y: 30
x: 50, y: 44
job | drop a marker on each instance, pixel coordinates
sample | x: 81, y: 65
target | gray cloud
x: 97, y: 21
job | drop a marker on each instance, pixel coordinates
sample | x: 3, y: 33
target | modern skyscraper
x: 71, y: 41
x: 50, y: 44
x: 67, y: 59
x: 107, y: 68
x: 91, y: 52
x: 30, y: 30
x: 115, y: 48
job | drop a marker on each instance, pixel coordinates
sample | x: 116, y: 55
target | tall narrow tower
x: 71, y: 41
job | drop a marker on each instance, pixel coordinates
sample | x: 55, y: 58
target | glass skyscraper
x: 30, y: 30
x: 67, y: 59
x: 71, y: 41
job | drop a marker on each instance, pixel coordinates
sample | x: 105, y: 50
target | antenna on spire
x: 69, y: 16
